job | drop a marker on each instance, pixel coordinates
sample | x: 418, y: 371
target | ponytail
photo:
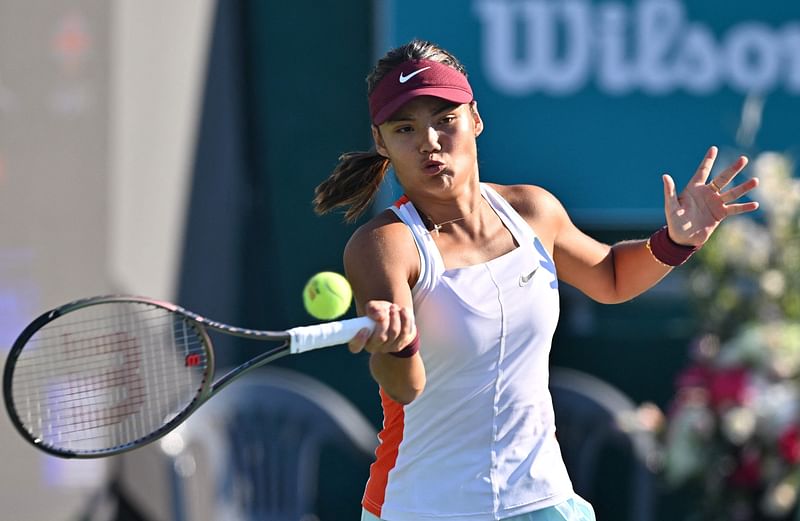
x: 353, y: 184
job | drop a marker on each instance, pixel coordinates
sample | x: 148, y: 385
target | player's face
x: 431, y: 143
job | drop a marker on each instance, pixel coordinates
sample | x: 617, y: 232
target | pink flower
x: 789, y: 444
x: 694, y: 376
x: 728, y: 387
x: 747, y: 473
x: 724, y: 387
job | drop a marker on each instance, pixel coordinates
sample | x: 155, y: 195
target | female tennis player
x: 461, y: 278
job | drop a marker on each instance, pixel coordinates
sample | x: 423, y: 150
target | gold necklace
x: 437, y: 227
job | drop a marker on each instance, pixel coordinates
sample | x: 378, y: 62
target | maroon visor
x: 417, y: 78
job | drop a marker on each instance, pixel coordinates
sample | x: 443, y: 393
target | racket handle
x: 306, y: 338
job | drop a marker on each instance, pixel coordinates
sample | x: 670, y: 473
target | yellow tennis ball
x: 327, y: 295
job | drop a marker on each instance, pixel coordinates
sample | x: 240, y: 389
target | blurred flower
x: 728, y: 387
x: 685, y: 452
x: 649, y: 417
x: 738, y: 424
x: 747, y: 473
x: 773, y: 283
x: 780, y: 498
x: 776, y: 405
x: 733, y: 427
x: 778, y: 189
x: 789, y: 444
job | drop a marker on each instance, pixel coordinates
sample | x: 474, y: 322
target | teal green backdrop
x: 595, y: 99
x: 307, y: 62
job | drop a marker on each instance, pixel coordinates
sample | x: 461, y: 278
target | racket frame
x: 207, y: 389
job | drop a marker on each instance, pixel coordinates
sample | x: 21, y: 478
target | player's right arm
x: 382, y: 264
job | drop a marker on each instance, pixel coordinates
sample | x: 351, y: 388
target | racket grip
x: 306, y: 338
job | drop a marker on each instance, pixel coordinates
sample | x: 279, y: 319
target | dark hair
x: 356, y: 179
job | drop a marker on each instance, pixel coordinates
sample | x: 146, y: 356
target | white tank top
x: 479, y: 442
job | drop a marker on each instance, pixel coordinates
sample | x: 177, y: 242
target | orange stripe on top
x: 386, y: 454
x: 400, y: 202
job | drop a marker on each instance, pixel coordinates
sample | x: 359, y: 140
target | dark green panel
x: 307, y: 61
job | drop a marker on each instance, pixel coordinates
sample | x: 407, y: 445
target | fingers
x: 704, y: 170
x: 357, y: 343
x: 670, y: 195
x: 733, y: 209
x: 722, y: 180
x: 738, y: 191
x: 394, y: 329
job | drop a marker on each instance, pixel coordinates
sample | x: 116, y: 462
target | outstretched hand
x: 694, y: 214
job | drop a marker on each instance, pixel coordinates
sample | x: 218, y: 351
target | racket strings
x: 86, y: 359
x: 107, y: 375
x: 93, y: 370
x: 67, y: 328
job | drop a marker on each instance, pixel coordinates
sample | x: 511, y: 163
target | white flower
x: 745, y: 244
x: 779, y: 498
x: 786, y: 351
x: 772, y: 346
x: 773, y: 282
x: 775, y: 405
x: 778, y: 191
x: 745, y: 348
x: 685, y: 451
x: 738, y: 424
x: 702, y: 283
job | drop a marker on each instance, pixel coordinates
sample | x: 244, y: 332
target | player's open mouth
x: 432, y: 167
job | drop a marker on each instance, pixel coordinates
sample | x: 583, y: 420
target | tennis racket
x: 105, y: 375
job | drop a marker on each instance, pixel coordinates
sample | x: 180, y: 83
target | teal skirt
x: 574, y: 509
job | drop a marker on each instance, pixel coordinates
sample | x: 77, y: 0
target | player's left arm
x: 613, y: 274
x: 580, y: 260
x: 605, y: 273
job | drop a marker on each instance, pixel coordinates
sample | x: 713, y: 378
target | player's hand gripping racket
x: 104, y: 375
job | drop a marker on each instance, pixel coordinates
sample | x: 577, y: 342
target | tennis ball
x: 327, y: 295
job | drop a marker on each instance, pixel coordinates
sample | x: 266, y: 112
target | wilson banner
x: 594, y: 100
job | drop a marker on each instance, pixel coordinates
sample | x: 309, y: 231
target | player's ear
x: 476, y: 117
x: 380, y: 146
